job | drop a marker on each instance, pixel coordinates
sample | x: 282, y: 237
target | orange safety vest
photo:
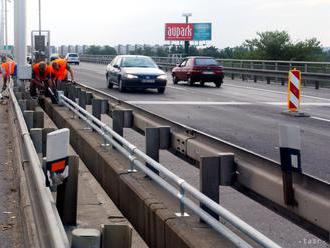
x: 11, y: 65
x: 5, y: 65
x: 62, y: 73
x: 37, y: 74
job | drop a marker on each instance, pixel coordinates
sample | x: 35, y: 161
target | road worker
x: 41, y: 78
x: 5, y: 72
x: 60, y: 69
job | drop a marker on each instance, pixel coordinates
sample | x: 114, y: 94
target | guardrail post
x: 45, y: 131
x: 209, y: 180
x: 72, y: 93
x: 89, y: 97
x: 152, y: 145
x: 99, y: 106
x: 67, y: 194
x: 82, y: 99
x: 156, y: 138
x: 268, y: 80
x: 317, y: 85
x: 77, y: 91
x: 255, y: 79
x: 22, y: 104
x: 86, y: 238
x: 232, y: 76
x: 28, y: 117
x: 227, y: 169
x: 282, y: 81
x: 115, y: 235
x: 36, y: 136
x: 290, y: 160
x: 121, y: 119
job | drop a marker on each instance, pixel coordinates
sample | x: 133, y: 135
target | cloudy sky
x: 142, y: 21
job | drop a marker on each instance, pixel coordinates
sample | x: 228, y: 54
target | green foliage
x: 98, y: 50
x: 270, y: 45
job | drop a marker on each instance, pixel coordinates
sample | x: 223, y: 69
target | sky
x: 107, y: 22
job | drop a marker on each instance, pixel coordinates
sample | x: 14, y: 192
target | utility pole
x: 6, y: 25
x: 186, y: 43
x: 2, y: 25
x: 23, y: 72
x: 39, y: 17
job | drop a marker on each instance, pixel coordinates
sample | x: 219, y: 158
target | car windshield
x: 138, y: 62
x: 73, y: 55
x: 206, y: 61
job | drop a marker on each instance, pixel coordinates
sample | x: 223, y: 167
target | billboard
x: 202, y: 31
x: 188, y: 31
x: 178, y: 31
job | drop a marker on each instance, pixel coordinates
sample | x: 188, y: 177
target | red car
x: 198, y: 69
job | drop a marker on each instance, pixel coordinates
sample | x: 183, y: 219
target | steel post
x: 152, y: 146
x: 82, y: 99
x: 67, y: 194
x: 209, y: 181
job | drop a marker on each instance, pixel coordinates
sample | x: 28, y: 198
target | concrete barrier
x: 143, y: 203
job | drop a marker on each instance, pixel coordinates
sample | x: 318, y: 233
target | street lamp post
x: 186, y: 43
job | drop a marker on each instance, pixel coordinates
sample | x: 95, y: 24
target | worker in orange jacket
x: 41, y: 77
x: 60, y: 69
x: 5, y: 72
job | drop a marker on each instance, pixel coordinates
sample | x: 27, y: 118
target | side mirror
x: 177, y: 65
x: 116, y: 66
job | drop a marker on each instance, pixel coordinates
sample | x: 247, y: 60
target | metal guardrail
x: 135, y: 156
x: 311, y: 71
x: 255, y: 176
x: 50, y: 230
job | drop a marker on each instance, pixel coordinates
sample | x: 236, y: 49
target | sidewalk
x: 9, y: 213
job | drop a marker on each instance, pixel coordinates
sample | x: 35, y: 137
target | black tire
x: 161, y: 90
x: 190, y: 81
x: 109, y: 83
x: 218, y: 83
x: 121, y: 87
x: 175, y: 79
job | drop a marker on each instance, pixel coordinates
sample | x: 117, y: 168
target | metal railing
x: 50, y: 230
x: 135, y: 157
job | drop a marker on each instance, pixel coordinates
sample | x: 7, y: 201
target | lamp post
x: 186, y: 43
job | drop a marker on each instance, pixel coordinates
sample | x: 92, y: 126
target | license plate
x: 208, y: 72
x: 148, y: 80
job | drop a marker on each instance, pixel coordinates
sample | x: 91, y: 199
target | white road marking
x: 274, y: 91
x: 230, y: 103
x: 177, y: 88
x: 320, y: 119
x: 187, y: 103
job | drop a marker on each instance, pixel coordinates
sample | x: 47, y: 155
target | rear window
x: 205, y: 61
x: 73, y: 55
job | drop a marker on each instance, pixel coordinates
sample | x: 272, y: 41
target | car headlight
x: 130, y: 76
x: 162, y: 77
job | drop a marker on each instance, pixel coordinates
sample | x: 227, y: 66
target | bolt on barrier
x: 133, y: 153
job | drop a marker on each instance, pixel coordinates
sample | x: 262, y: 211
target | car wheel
x: 161, y: 90
x: 218, y: 83
x: 175, y: 79
x: 190, y: 81
x: 110, y: 84
x: 121, y: 87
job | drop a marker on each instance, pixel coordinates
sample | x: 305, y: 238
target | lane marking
x: 187, y: 103
x: 320, y: 119
x: 229, y: 103
x: 274, y: 91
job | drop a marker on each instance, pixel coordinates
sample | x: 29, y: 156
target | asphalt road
x: 244, y: 113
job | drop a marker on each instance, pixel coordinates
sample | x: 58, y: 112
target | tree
x: 108, y: 50
x: 270, y: 45
x: 94, y: 50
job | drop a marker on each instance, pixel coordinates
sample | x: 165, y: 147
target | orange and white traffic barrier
x: 294, y: 90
